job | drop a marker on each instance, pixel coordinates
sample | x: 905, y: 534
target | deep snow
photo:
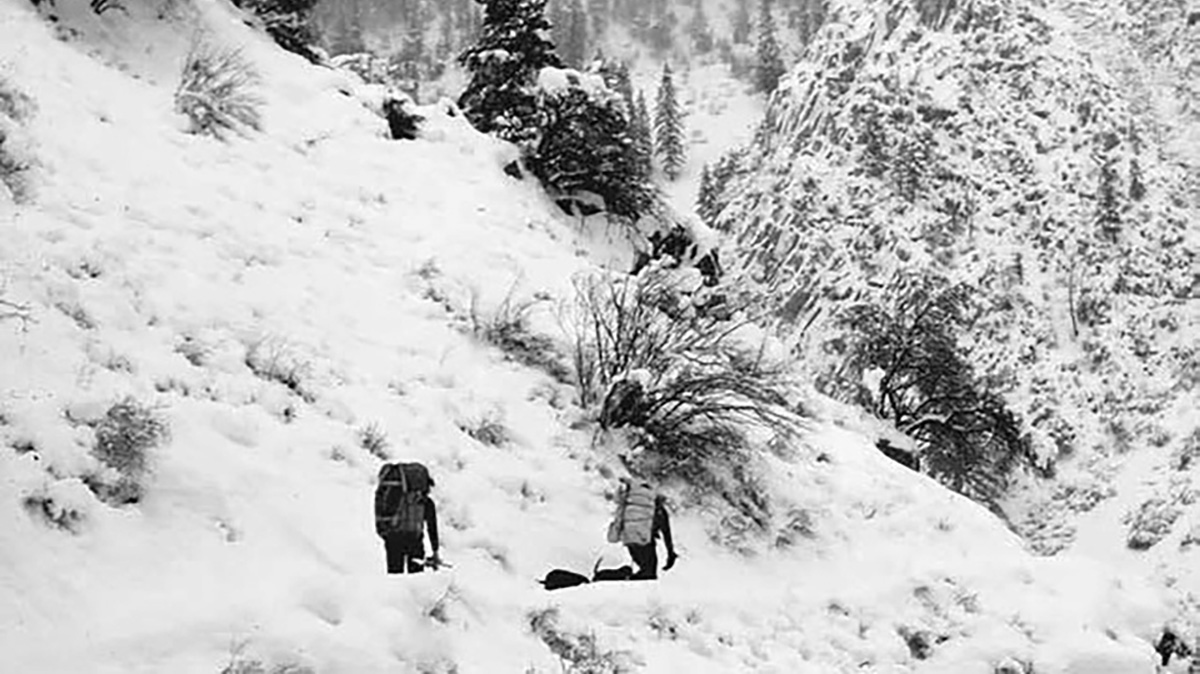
x: 154, y: 263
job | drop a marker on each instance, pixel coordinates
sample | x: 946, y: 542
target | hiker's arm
x: 431, y: 524
x: 664, y: 525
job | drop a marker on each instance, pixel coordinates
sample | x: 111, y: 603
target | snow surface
x: 156, y: 262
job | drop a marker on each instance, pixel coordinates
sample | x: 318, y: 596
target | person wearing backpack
x: 640, y: 519
x: 404, y: 512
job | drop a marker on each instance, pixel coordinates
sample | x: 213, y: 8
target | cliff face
x: 980, y: 142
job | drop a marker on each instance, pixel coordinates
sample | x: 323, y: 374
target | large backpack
x: 634, y: 522
x: 400, y: 498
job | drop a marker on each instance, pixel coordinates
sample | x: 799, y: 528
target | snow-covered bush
x: 15, y: 107
x: 288, y: 22
x: 60, y: 514
x: 685, y: 381
x: 578, y: 653
x: 904, y: 362
x: 124, y: 437
x: 488, y: 429
x: 1150, y: 523
x: 587, y: 147
x: 216, y: 90
x: 1187, y: 452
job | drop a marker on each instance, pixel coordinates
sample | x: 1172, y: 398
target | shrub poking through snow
x: 488, y: 429
x: 271, y: 360
x: 577, y: 653
x: 1150, y: 523
x: 58, y: 515
x: 240, y: 663
x: 15, y: 107
x: 124, y: 437
x: 216, y: 90
x: 373, y: 439
x: 507, y: 328
x: 681, y: 377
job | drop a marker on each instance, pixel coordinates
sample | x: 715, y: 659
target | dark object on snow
x: 620, y: 573
x: 560, y: 578
x: 901, y: 456
x: 1170, y: 644
x: 513, y: 169
x: 625, y: 405
x: 402, y: 123
x: 1193, y: 18
x: 678, y: 244
x: 403, y: 513
x: 640, y: 519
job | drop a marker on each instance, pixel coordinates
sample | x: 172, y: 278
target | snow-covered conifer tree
x: 668, y: 126
x: 706, y: 198
x: 769, y: 65
x: 513, y: 47
x: 643, y: 135
x: 574, y: 46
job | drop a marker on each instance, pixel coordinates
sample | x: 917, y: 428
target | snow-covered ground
x: 159, y: 265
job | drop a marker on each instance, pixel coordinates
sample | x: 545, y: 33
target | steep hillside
x: 281, y: 302
x: 981, y: 143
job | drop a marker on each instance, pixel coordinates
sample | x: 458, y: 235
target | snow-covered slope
x: 1001, y: 145
x: 272, y: 296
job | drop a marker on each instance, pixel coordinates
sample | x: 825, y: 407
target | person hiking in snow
x: 640, y: 519
x: 403, y: 514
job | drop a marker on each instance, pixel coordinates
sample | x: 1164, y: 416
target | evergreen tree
x: 661, y: 31
x: 501, y: 97
x: 668, y: 126
x: 741, y: 22
x: 769, y: 67
x: 811, y: 16
x: 616, y: 78
x: 706, y: 201
x: 643, y: 136
x: 1108, y: 205
x: 288, y: 22
x: 699, y: 31
x: 598, y: 14
x: 574, y: 46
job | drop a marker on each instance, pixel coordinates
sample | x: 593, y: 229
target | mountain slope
x: 272, y: 297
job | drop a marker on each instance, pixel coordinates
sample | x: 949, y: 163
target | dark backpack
x: 560, y: 578
x: 400, y: 498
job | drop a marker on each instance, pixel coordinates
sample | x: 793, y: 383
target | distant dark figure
x: 900, y: 456
x: 1170, y: 644
x: 402, y: 123
x: 640, y: 519
x: 1193, y: 18
x: 403, y: 513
